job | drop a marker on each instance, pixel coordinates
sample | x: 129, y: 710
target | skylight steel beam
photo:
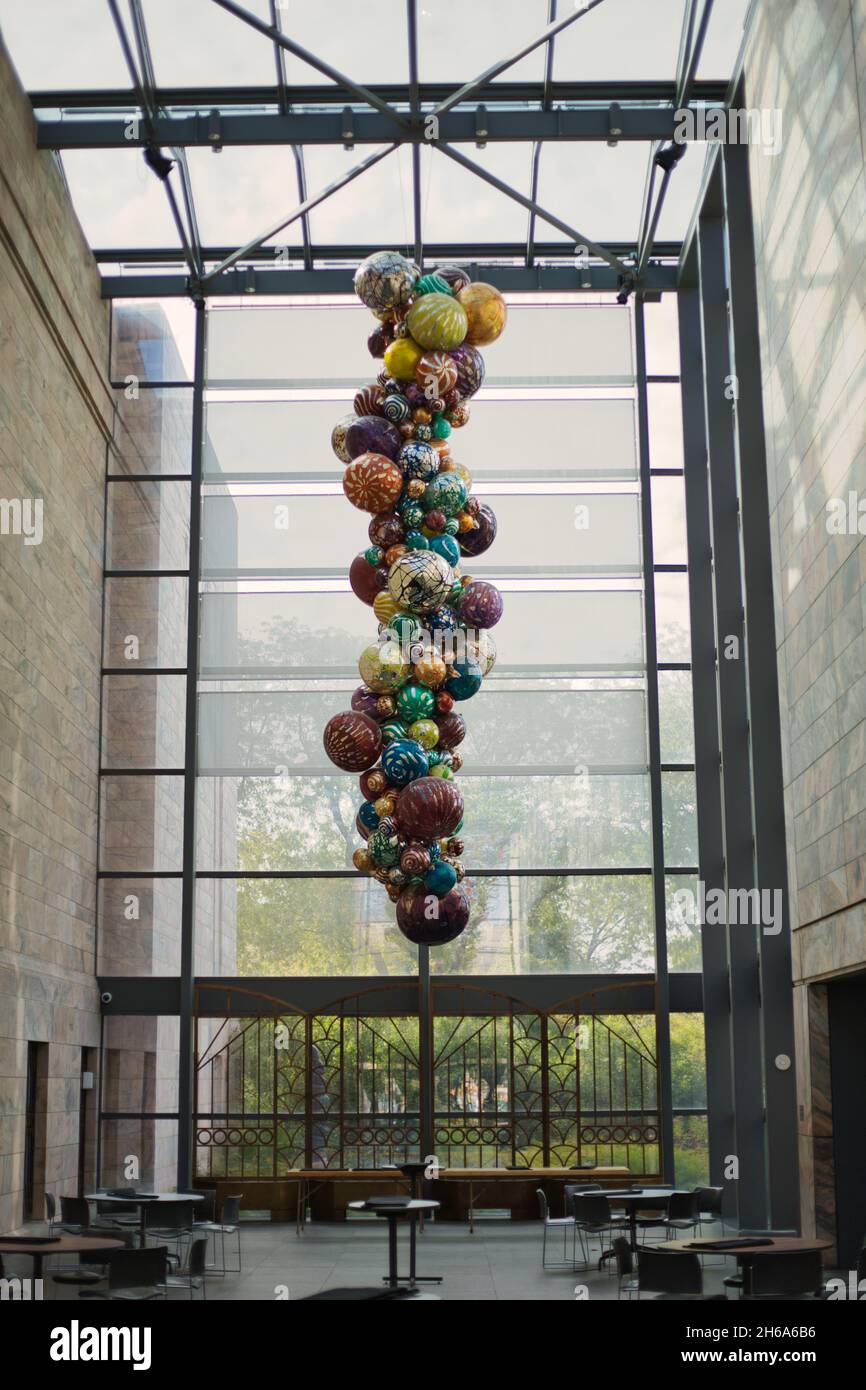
x: 572, y: 233
x: 299, y: 212
x: 466, y: 91
x: 297, y: 150
x: 415, y: 109
x: 276, y: 36
x: 358, y: 251
x: 536, y: 153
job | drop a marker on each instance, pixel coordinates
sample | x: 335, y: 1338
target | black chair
x: 663, y: 1272
x: 116, y: 1216
x: 175, y: 1224
x: 573, y: 1189
x: 593, y: 1217
x: 626, y: 1282
x: 50, y: 1211
x: 682, y: 1215
x: 134, y: 1275
x: 193, y: 1275
x: 74, y: 1215
x: 709, y: 1206
x: 798, y: 1275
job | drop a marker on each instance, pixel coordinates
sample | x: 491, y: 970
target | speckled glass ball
x: 383, y: 849
x: 430, y: 670
x: 458, y: 415
x: 403, y: 761
x: 418, y: 460
x: 385, y: 280
x: 446, y: 492
x: 412, y: 515
x: 368, y: 815
x: 485, y: 311
x: 338, y: 438
x: 419, y: 581
x: 424, y: 432
x: 480, y: 604
x: 362, y: 861
x: 382, y: 667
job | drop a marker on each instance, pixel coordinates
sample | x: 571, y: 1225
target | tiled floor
x: 502, y: 1260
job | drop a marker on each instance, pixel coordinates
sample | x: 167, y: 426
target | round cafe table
x: 411, y: 1210
x: 40, y: 1250
x: 635, y: 1200
x: 144, y: 1201
x: 745, y: 1255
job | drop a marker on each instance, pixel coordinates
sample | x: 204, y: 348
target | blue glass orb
x: 441, y: 620
x: 368, y: 815
x: 440, y: 878
x: 403, y: 761
x: 467, y: 682
x: 418, y: 460
x: 447, y: 547
x: 416, y: 541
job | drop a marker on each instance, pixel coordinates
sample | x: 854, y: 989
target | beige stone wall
x: 55, y: 418
x: 808, y: 58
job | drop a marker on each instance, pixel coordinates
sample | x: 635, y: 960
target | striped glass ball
x: 436, y: 321
x: 396, y: 409
x: 403, y: 761
x: 432, y: 284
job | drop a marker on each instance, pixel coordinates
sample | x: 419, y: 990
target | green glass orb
x: 391, y: 729
x: 415, y: 702
x: 404, y: 627
x: 412, y: 516
x: 374, y: 555
x: 452, y: 526
x: 447, y: 492
x: 432, y: 284
x: 416, y: 541
x: 456, y: 591
x: 434, y: 758
x: 425, y: 732
x: 382, y: 849
x: 424, y: 432
x: 441, y: 428
x: 440, y: 770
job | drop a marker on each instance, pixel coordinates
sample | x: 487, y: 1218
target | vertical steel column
x: 714, y: 951
x: 663, y: 1022
x: 742, y: 938
x: 762, y: 691
x: 186, y: 1045
x: 425, y: 1053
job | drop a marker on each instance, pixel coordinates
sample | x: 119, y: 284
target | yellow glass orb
x: 425, y: 732
x: 382, y: 667
x: 463, y: 473
x: 362, y: 861
x: 401, y: 358
x: 384, y: 606
x: 486, y: 313
x: 436, y: 321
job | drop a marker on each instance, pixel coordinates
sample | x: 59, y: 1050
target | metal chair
x: 562, y: 1223
x: 593, y: 1217
x: 662, y: 1272
x: 228, y: 1225
x: 798, y: 1275
x: 194, y: 1275
x: 50, y: 1211
x: 134, y: 1275
x: 74, y: 1215
x: 573, y: 1189
x: 175, y: 1224
x: 625, y: 1275
x: 682, y: 1215
x: 709, y: 1206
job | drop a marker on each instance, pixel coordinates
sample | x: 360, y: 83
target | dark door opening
x: 34, y: 1130
x: 847, y: 1014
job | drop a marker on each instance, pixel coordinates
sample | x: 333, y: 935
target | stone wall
x: 808, y: 58
x: 55, y: 419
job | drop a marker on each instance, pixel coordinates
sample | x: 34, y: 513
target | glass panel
x: 662, y: 336
x: 691, y: 1151
x: 152, y: 340
x: 198, y: 44
x: 673, y: 626
x: 372, y: 42
x: 505, y: 439
x: 631, y: 41
x: 139, y: 1066
x: 375, y: 209
x: 452, y: 50
x: 664, y: 405
x: 553, y: 925
x: 679, y: 813
x: 152, y: 431
x: 141, y: 823
x: 684, y: 932
x: 82, y: 50
x: 296, y: 534
x: 298, y: 927
x: 595, y: 189
x: 485, y: 213
x: 244, y: 190
x: 669, y: 521
x: 549, y: 728
x: 562, y: 345
x: 117, y: 199
x: 145, y: 623
x: 143, y: 721
x: 307, y: 823
x: 683, y: 192
x: 152, y: 1142
x: 724, y: 36
x: 676, y: 717
x: 148, y: 526
x: 292, y: 633
x: 139, y: 926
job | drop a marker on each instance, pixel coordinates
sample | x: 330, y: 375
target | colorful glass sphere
x: 440, y: 878
x: 430, y: 670
x: 414, y: 702
x: 486, y: 312
x: 470, y: 369
x: 418, y: 460
x: 395, y: 408
x: 466, y: 682
x: 404, y: 761
x: 416, y: 541
x: 428, y: 808
x: 402, y: 357
x: 368, y: 401
x: 432, y: 284
x: 368, y: 815
x: 385, y: 530
x: 477, y: 541
x: 383, y: 849
x: 419, y: 581
x: 378, y: 341
x: 432, y: 924
x: 384, y: 606
x: 383, y: 668
x: 447, y: 547
x: 365, y: 701
x: 454, y: 276
x: 446, y: 493
x: 412, y: 515
x: 338, y: 437
x: 480, y: 604
x: 436, y: 321
x: 372, y: 482
x: 436, y: 374
x: 415, y: 860
x: 483, y: 650
x: 352, y: 741
x: 372, y: 783
x: 362, y: 861
x: 403, y: 628
x: 425, y: 732
x: 366, y: 580
x: 371, y: 434
x: 441, y: 428
x: 452, y: 730
x: 393, y: 729
x: 385, y: 280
